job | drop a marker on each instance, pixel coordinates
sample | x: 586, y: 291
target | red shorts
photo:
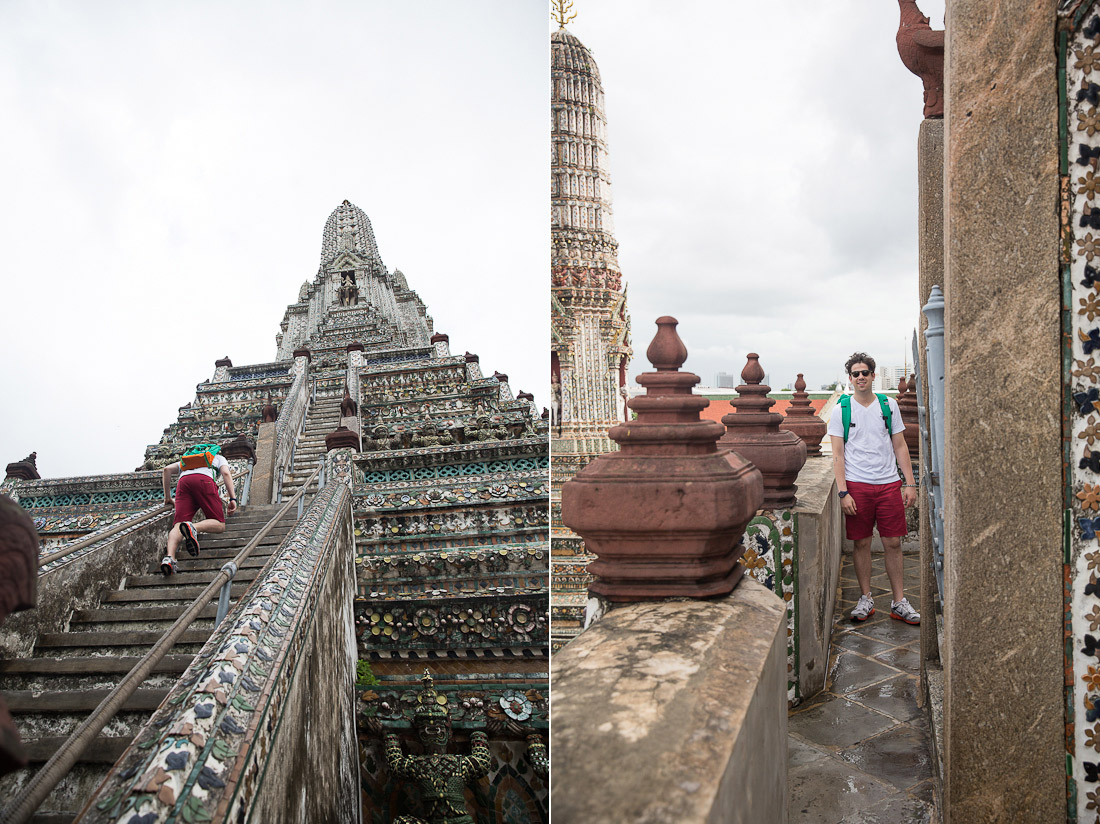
x: 195, y: 492
x: 876, y: 503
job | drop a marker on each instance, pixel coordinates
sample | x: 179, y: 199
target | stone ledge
x: 674, y: 711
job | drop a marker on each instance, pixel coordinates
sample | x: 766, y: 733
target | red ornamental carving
x: 921, y: 50
x: 907, y: 405
x: 348, y: 407
x: 753, y: 433
x: 664, y: 515
x: 803, y: 421
x: 341, y: 437
x: 269, y: 413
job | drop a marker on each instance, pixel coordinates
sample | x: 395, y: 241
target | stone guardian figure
x: 440, y: 777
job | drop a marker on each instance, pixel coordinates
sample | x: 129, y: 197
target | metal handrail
x: 43, y: 782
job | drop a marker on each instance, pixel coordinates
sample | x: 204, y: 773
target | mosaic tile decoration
x: 1079, y: 128
x: 771, y: 557
x: 207, y: 745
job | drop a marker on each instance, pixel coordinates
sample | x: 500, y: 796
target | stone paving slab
x: 860, y: 752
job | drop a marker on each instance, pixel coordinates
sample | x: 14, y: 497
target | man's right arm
x: 847, y: 505
x: 166, y: 479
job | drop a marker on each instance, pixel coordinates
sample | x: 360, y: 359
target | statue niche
x: 348, y: 292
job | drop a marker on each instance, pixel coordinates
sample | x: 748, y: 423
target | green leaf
x: 194, y: 812
x: 241, y: 703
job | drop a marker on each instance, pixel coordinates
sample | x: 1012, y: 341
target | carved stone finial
x: 525, y: 396
x: 667, y: 352
x: 269, y: 413
x: 753, y: 373
x: 240, y: 447
x: 907, y: 405
x: 348, y: 407
x: 226, y: 362
x: 664, y: 514
x: 803, y: 421
x: 438, y: 337
x: 921, y: 50
x: 752, y: 431
x: 26, y: 469
x: 471, y: 358
x: 500, y: 376
x: 342, y: 437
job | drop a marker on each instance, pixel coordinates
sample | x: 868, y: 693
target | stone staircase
x: 69, y: 673
x: 322, y: 418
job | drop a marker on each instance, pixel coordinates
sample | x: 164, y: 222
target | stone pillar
x: 1004, y: 712
x: 263, y: 473
x: 930, y: 272
x: 664, y: 515
x: 221, y: 370
x: 473, y: 368
x: 441, y: 345
x: 302, y: 358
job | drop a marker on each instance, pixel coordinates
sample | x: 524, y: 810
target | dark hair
x: 859, y: 357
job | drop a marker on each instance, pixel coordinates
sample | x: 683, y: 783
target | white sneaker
x: 864, y: 609
x: 903, y: 611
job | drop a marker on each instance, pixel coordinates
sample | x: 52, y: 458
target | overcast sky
x: 168, y: 169
x: 764, y: 176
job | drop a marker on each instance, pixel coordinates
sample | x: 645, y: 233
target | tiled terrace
x: 859, y: 753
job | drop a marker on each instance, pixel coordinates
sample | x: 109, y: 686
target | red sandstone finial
x: 903, y: 387
x: 663, y: 515
x: 667, y: 352
x: 753, y: 372
x: 752, y: 431
x: 801, y: 420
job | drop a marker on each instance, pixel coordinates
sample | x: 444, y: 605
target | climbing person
x: 867, y: 435
x: 197, y: 488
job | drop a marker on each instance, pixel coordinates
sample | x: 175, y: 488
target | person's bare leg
x: 174, y: 538
x: 861, y: 560
x: 894, y: 567
x: 211, y: 525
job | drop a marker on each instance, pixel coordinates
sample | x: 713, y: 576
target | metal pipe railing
x: 934, y: 366
x: 43, y: 782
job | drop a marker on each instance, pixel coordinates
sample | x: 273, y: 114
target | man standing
x: 867, y: 434
x: 197, y: 489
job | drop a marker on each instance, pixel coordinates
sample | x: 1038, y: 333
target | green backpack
x: 200, y: 456
x: 846, y: 413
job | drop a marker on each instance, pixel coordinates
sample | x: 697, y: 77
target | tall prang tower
x: 589, y: 327
x: 415, y: 570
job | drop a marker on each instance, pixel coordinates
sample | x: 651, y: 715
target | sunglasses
x: 860, y: 373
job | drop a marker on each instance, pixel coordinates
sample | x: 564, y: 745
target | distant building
x: 725, y: 380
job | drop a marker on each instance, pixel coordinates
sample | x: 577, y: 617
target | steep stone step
x: 78, y: 700
x: 101, y: 638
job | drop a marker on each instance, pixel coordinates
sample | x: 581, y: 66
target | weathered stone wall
x: 78, y: 583
x: 674, y: 712
x: 820, y: 542
x: 1005, y: 758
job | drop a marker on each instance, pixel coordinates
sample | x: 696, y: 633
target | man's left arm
x: 227, y: 477
x: 901, y: 452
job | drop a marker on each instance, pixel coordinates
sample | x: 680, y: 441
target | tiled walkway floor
x: 859, y: 753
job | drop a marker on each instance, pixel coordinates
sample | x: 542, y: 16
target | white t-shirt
x: 219, y: 462
x: 869, y: 454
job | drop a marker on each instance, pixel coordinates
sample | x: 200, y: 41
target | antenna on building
x: 560, y: 11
